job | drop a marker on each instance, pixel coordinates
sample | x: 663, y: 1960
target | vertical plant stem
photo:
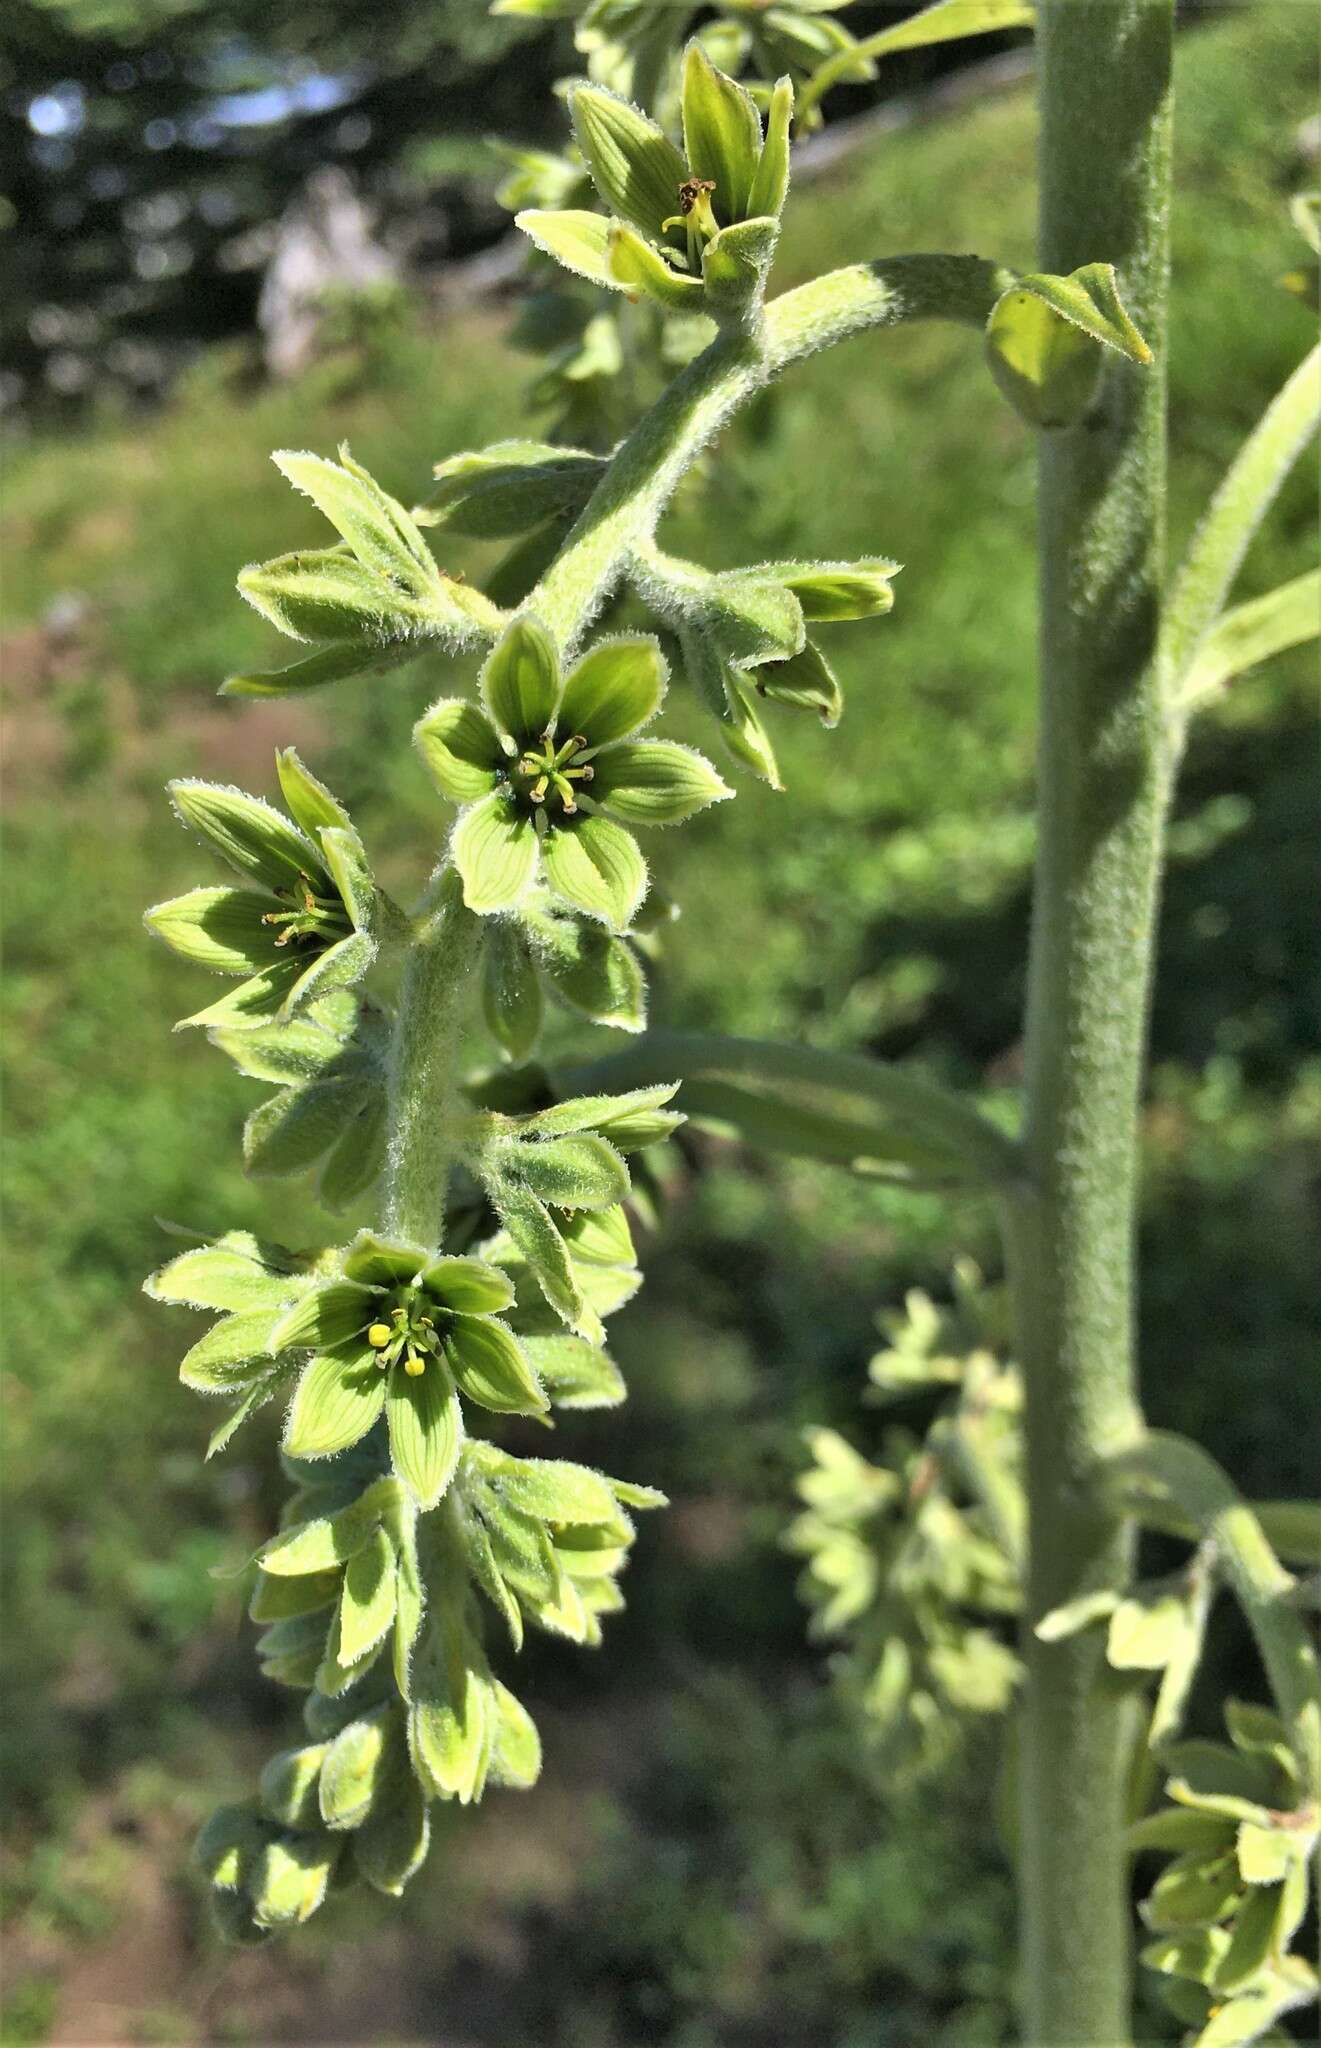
x: 425, y: 1105
x: 1104, y: 171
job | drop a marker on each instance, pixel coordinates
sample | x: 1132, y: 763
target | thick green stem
x: 426, y: 1108
x: 1104, y: 167
x: 630, y: 498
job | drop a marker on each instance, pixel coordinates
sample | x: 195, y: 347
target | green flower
x: 551, y: 774
x: 305, y: 921
x: 404, y: 1331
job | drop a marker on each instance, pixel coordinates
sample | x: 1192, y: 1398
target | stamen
x: 379, y: 1336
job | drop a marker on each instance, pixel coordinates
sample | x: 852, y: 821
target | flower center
x: 311, y: 920
x: 405, y: 1332
x: 545, y: 776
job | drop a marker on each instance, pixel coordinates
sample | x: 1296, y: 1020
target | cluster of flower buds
x: 375, y: 1611
x: 915, y: 1563
x: 1225, y: 1909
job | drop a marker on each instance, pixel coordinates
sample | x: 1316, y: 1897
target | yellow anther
x: 413, y: 1365
x: 379, y: 1336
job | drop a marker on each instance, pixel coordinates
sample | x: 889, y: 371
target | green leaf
x: 377, y: 528
x: 309, y: 802
x: 248, y: 833
x: 367, y: 1599
x: 946, y: 21
x: 516, y: 1746
x: 288, y: 1785
x: 326, y: 594
x: 654, y: 782
x: 596, y: 866
x: 232, y: 1353
x: 330, y: 665
x: 616, y: 688
x: 511, y: 487
x: 338, y: 1398
x: 721, y: 134
x: 832, y: 591
x: 735, y: 265
x: 356, y: 1765
x: 1249, y: 634
x: 806, y: 681
x: 577, y: 240
x: 520, y: 681
x: 634, y: 167
x: 223, y: 929
x: 579, y: 1172
x: 495, y: 851
x: 511, y: 993
x: 590, y: 969
x: 1044, y: 338
x: 770, y: 185
x: 426, y: 1430
x: 490, y: 1367
x: 575, y: 1373
x: 636, y: 265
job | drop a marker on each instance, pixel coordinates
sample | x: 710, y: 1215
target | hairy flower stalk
x: 479, y: 1306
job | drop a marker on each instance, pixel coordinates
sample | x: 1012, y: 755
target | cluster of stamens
x: 312, y: 920
x: 539, y: 775
x: 410, y: 1335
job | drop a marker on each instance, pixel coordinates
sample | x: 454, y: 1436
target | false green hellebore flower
x: 304, y: 921
x: 404, y: 1331
x: 551, y: 773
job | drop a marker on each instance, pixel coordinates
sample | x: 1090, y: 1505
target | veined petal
x: 223, y: 929
x: 468, y: 1286
x: 247, y: 832
x: 596, y: 866
x: 520, y: 682
x: 425, y: 1423
x: 616, y: 687
x: 340, y: 966
x: 328, y: 1316
x: 655, y: 782
x: 338, y: 1398
x: 490, y: 1367
x: 495, y: 851
x: 259, y: 1000
x: 382, y: 1261
x: 460, y: 749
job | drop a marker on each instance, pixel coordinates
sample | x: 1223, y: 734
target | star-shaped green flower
x: 304, y: 923
x: 406, y: 1331
x: 551, y: 773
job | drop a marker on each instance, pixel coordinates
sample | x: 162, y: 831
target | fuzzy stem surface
x: 426, y: 1111
x: 1104, y: 71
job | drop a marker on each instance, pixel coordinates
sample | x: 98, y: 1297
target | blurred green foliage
x: 704, y: 1864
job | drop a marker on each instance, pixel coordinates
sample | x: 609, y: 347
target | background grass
x: 702, y: 1864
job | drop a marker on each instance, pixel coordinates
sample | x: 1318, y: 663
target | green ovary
x: 546, y: 778
x: 405, y: 1331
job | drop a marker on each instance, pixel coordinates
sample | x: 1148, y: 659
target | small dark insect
x: 691, y: 191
